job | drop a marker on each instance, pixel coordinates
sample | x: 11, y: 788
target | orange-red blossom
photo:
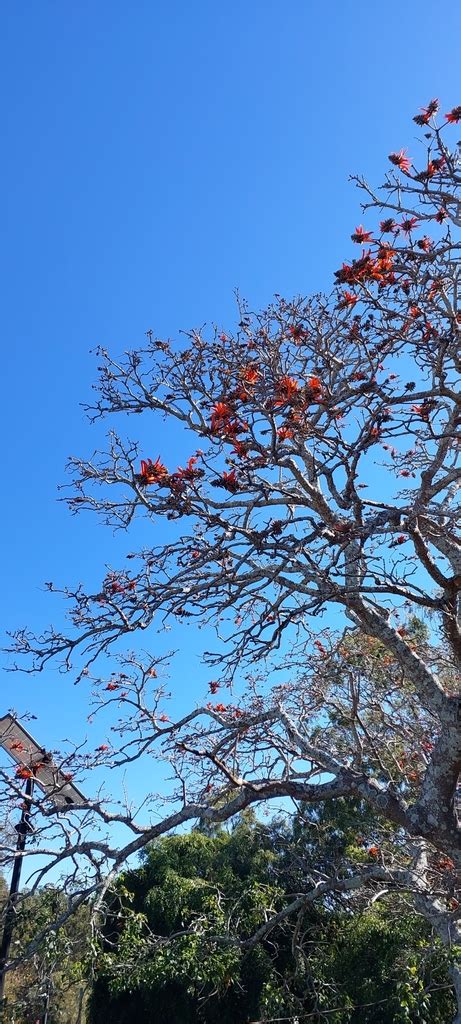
x: 400, y: 160
x: 454, y: 115
x: 152, y: 472
x: 360, y: 236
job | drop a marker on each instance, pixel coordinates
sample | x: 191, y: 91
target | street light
x: 31, y: 757
x: 35, y: 766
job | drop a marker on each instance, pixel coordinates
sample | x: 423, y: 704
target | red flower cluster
x: 348, y: 300
x: 152, y: 472
x: 115, y: 587
x: 426, y: 113
x: 185, y: 474
x: 314, y: 385
x: 408, y: 225
x: 223, y: 421
x: 298, y: 333
x: 228, y: 481
x: 389, y: 226
x: 360, y: 236
x: 250, y: 375
x: 284, y: 433
x: 156, y: 472
x: 189, y: 472
x: 286, y: 389
x: 454, y: 115
x: 423, y: 411
x: 220, y: 415
x: 241, y: 449
x: 401, y: 161
x: 368, y: 269
x: 433, y: 167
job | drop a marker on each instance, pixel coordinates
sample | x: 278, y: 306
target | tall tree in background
x: 336, y: 960
x: 51, y: 984
x: 314, y: 519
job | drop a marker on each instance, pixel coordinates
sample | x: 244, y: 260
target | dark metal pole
x: 47, y: 1004
x: 22, y: 828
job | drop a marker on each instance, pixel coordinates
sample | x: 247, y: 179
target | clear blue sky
x: 156, y: 156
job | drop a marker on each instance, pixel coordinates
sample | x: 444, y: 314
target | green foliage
x: 374, y: 966
x: 385, y: 959
x: 206, y: 886
x: 56, y: 974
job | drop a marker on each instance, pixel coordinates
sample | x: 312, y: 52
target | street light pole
x: 37, y: 766
x: 22, y: 828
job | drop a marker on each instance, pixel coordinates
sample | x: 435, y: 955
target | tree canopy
x: 313, y: 523
x: 333, y: 960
